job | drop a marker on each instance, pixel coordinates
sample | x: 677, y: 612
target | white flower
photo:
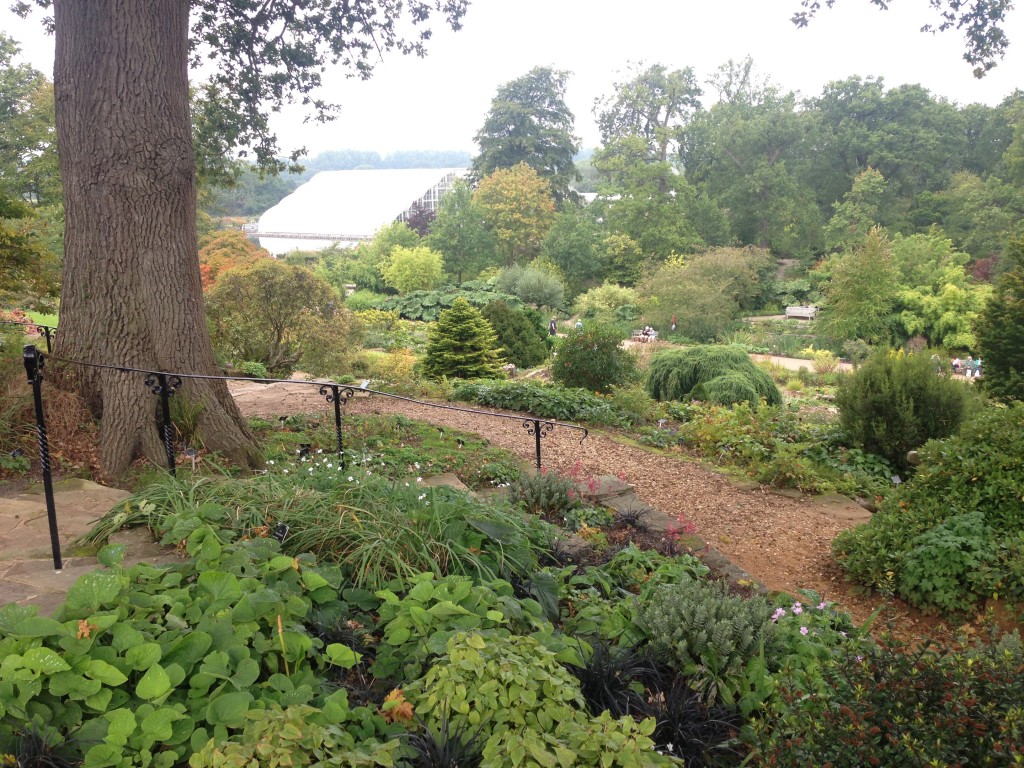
x: 350, y: 478
x: 419, y: 479
x: 319, y: 450
x: 421, y: 497
x: 270, y: 461
x: 285, y: 471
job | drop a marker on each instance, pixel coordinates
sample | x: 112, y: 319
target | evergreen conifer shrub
x: 896, y: 402
x: 719, y: 374
x: 520, y: 337
x: 462, y: 344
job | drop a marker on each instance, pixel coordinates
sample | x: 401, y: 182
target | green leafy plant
x: 896, y: 402
x: 895, y: 705
x: 960, y: 515
x: 417, y: 625
x: 547, y: 402
x: 705, y: 632
x: 546, y: 493
x: 527, y: 706
x: 592, y: 358
x: 253, y: 369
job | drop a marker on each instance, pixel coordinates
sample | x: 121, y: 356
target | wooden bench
x: 801, y: 313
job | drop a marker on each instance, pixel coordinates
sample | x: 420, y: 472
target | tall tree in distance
x: 655, y: 104
x: 459, y: 233
x: 132, y: 292
x: 1000, y: 331
x: 519, y: 209
x: 530, y: 123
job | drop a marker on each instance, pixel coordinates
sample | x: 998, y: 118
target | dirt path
x: 783, y: 540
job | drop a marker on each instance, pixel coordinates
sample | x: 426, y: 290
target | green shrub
x: 129, y: 690
x: 705, y: 632
x: 254, y: 369
x: 416, y: 626
x: 544, y: 401
x: 897, y: 706
x: 715, y: 372
x: 896, y: 402
x: 592, y: 358
x: 521, y: 338
x: 545, y: 493
x: 528, y: 707
x: 961, y: 515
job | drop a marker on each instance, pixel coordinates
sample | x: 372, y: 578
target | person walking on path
x: 552, y: 327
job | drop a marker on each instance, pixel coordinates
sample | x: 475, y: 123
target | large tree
x: 1000, y: 331
x: 530, y: 123
x: 519, y: 209
x: 132, y: 293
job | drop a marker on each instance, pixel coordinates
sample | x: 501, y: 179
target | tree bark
x: 132, y: 294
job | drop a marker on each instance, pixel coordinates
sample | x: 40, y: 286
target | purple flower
x: 803, y: 630
x: 821, y: 605
x: 779, y: 613
x: 797, y: 609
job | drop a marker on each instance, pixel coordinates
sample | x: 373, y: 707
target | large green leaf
x: 229, y: 709
x: 91, y: 592
x: 220, y: 586
x: 154, y: 684
x: 44, y: 661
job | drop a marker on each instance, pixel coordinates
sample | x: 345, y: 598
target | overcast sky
x: 440, y: 102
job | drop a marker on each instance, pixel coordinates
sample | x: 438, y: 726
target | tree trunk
x: 131, y: 286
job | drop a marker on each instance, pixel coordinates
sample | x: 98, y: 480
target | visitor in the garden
x: 977, y: 367
x: 956, y: 365
x: 579, y: 324
x: 552, y: 327
x: 673, y: 323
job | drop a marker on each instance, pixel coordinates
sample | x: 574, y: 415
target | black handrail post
x: 34, y: 369
x: 536, y: 437
x: 47, y: 333
x: 334, y: 394
x: 159, y: 384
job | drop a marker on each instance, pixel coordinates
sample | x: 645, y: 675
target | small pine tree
x: 518, y: 334
x: 896, y: 402
x: 462, y: 344
x: 1000, y: 331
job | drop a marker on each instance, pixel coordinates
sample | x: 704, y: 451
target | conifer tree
x: 462, y: 345
x: 1000, y: 331
x: 520, y: 337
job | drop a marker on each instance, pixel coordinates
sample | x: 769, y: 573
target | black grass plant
x: 613, y: 678
x: 448, y: 747
x: 687, y: 727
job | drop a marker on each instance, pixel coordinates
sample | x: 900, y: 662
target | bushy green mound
x: 592, y: 358
x: 521, y: 337
x: 954, y: 534
x: 896, y: 402
x: 718, y: 374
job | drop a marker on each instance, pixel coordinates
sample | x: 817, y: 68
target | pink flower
x: 822, y: 605
x: 797, y: 609
x: 803, y: 630
x: 779, y: 613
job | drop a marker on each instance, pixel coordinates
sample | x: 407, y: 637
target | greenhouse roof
x: 346, y: 207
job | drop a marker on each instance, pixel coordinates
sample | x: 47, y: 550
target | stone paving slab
x: 27, y: 576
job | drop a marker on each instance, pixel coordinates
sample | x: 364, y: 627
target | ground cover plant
x: 954, y: 534
x: 393, y: 446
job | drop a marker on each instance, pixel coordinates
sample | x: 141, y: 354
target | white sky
x: 440, y: 102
